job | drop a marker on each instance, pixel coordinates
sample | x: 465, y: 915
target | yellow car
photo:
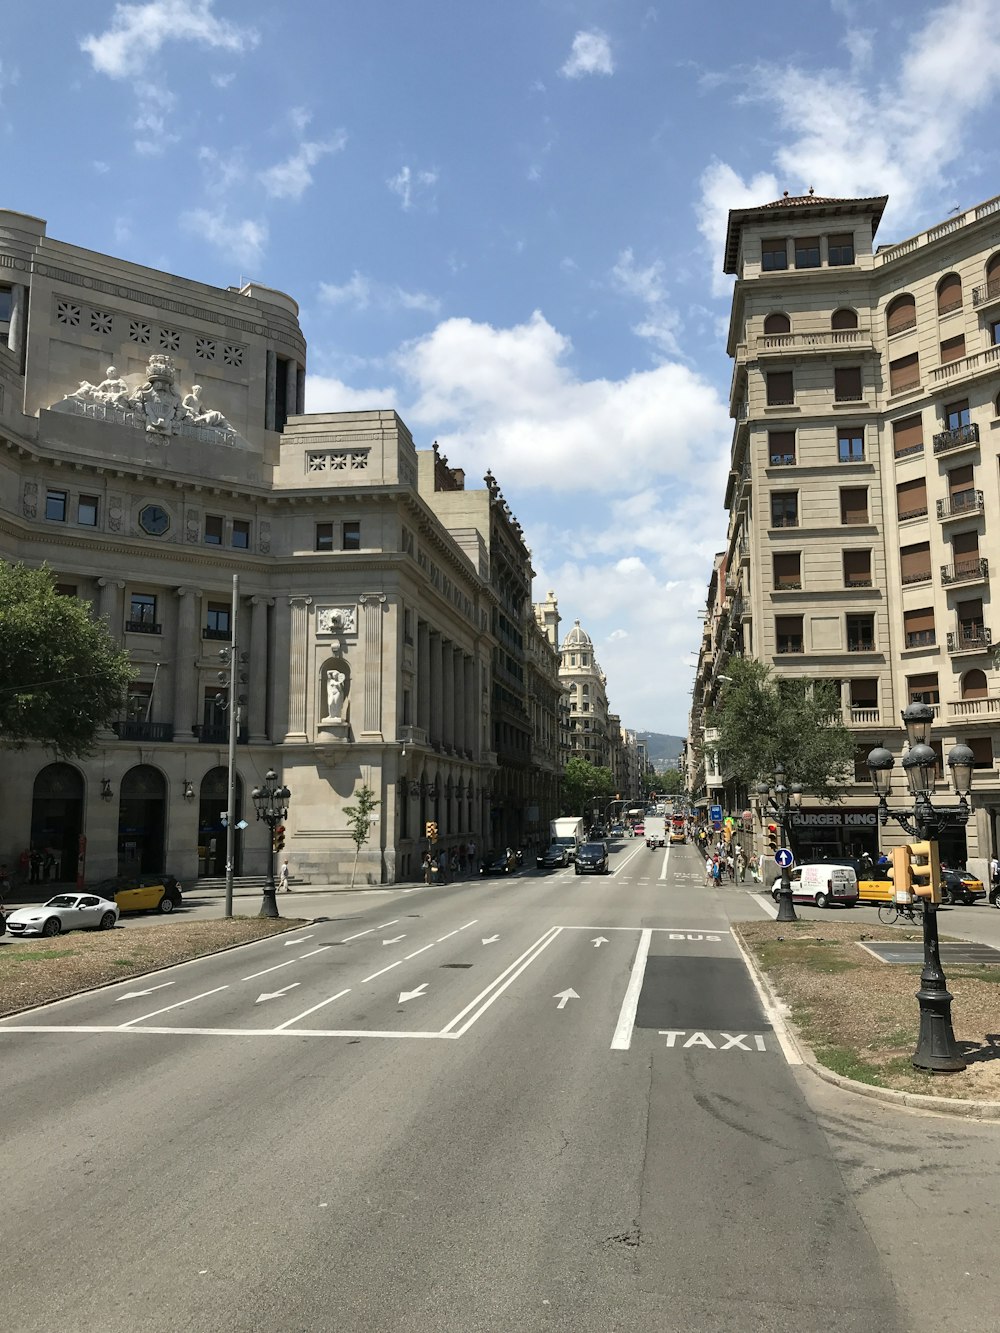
x: 957, y: 886
x: 144, y: 893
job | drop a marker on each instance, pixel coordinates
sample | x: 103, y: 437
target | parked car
x: 553, y: 858
x: 142, y: 893
x: 592, y: 859
x: 822, y: 883
x: 498, y: 863
x: 66, y: 911
x: 958, y: 886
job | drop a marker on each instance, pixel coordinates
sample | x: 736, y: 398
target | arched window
x: 777, y: 324
x: 974, y: 684
x: 993, y: 275
x: 949, y: 294
x: 996, y: 406
x: 844, y: 319
x: 901, y: 314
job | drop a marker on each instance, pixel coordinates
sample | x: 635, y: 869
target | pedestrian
x: 443, y: 866
x: 49, y: 865
x: 867, y: 865
x: 425, y: 866
x: 731, y: 868
x: 283, y: 877
x: 994, y: 871
x: 35, y: 863
x: 709, y: 863
x: 717, y: 872
x: 741, y: 866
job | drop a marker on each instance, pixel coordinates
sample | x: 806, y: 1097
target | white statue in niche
x: 336, y: 696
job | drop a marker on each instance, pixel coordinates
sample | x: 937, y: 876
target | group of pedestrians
x: 443, y: 863
x: 725, y: 862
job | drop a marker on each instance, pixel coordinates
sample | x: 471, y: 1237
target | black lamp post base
x: 786, y: 906
x: 937, y: 1050
x: 269, y: 903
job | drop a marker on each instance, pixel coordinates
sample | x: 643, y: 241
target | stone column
x: 423, y: 677
x: 270, y: 389
x: 300, y: 391
x: 461, y: 744
x: 435, y: 685
x: 259, y: 683
x: 374, y: 606
x: 109, y: 606
x: 471, y: 730
x: 15, y: 329
x: 448, y: 696
x: 291, y: 386
x: 186, y: 654
x: 297, y: 664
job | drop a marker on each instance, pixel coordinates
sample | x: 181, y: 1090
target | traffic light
x: 279, y: 837
x: 925, y: 871
x: 431, y: 831
x: 900, y: 874
x: 772, y: 837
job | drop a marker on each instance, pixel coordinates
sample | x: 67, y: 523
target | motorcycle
x: 651, y: 843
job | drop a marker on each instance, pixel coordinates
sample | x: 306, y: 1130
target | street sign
x: 715, y: 815
x: 783, y: 857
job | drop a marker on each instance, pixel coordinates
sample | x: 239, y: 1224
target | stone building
x: 864, y: 497
x: 586, y: 684
x: 154, y: 446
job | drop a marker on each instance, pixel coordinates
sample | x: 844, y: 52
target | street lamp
x: 779, y: 801
x: 937, y: 1050
x: 271, y: 803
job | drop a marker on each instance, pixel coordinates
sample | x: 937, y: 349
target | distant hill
x: 663, y: 750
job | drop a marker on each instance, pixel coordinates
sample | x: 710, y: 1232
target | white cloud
x: 300, y: 117
x: 223, y: 81
x: 412, y: 186
x: 222, y: 171
x: 661, y: 323
x: 360, y: 292
x: 290, y: 179
x: 327, y: 393
x: 243, y: 240
x: 590, y: 54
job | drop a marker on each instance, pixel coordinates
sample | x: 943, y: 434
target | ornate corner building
x: 864, y: 495
x: 154, y: 445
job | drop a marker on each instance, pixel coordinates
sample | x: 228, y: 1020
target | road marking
x: 287, y: 963
x: 694, y: 935
x: 622, y: 1039
x: 496, y: 987
x: 394, y: 941
x: 240, y: 1032
x: 190, y: 1000
x: 491, y: 939
x: 446, y: 937
x: 358, y: 936
x: 702, y: 1039
x: 276, y: 994
x: 563, y: 996
x: 598, y: 941
x: 771, y: 1012
x: 384, y: 924
x: 416, y: 951
x: 405, y: 995
x: 301, y: 941
x: 769, y: 907
x: 288, y: 1023
x: 666, y: 861
x: 382, y: 971
x: 473, y: 922
x: 133, y: 994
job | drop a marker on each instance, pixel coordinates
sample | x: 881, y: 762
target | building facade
x: 864, y: 495
x: 154, y: 447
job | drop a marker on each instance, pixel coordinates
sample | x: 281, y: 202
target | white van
x: 822, y: 883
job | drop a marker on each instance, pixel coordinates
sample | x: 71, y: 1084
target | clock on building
x: 154, y: 519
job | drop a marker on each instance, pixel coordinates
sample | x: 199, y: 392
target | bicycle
x: 890, y: 913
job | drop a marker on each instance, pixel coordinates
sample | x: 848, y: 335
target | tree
x: 62, y: 676
x: 359, y: 821
x: 789, y: 720
x: 583, y: 784
x: 671, y: 782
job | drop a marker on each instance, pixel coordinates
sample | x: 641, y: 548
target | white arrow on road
x: 563, y: 996
x: 395, y: 941
x: 405, y: 995
x: 491, y: 939
x: 133, y: 994
x: 301, y: 939
x: 598, y: 941
x: 274, y: 994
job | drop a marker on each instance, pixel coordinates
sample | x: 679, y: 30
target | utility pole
x: 234, y: 722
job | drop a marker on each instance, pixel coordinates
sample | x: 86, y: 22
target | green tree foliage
x: 62, y: 676
x: 671, y: 782
x: 359, y: 822
x: 795, y: 721
x: 584, y: 784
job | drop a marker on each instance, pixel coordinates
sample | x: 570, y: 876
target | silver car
x: 66, y: 911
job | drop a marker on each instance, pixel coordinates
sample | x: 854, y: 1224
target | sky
x: 505, y: 222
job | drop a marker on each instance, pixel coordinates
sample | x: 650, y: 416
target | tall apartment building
x: 586, y: 685
x: 864, y: 495
x: 154, y: 444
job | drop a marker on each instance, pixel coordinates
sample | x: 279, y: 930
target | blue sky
x: 505, y: 222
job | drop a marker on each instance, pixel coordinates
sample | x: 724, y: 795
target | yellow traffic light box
x: 925, y: 871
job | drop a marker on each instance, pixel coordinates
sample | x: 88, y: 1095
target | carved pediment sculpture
x: 336, y: 620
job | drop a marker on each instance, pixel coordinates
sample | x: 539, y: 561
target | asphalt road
x: 536, y: 1103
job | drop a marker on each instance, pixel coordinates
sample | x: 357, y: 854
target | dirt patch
x: 860, y: 1015
x: 34, y: 971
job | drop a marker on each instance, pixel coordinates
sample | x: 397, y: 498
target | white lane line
x: 666, y: 860
x: 773, y: 1015
x: 383, y: 970
x: 387, y: 923
x: 281, y: 1026
x: 496, y: 987
x: 301, y: 941
x: 663, y: 930
x: 416, y: 951
x: 770, y: 908
x: 369, y: 931
x: 287, y: 963
x: 468, y: 924
x: 178, y: 1005
x: 622, y: 1039
x: 445, y: 937
x: 239, y: 1032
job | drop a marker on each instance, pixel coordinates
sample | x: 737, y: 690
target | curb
x: 963, y: 1107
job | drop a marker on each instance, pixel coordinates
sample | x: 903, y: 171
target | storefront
x: 825, y: 834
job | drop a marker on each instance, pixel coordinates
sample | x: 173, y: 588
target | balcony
x: 916, y: 576
x: 969, y: 638
x: 973, y: 570
x: 960, y: 505
x: 973, y: 366
x: 217, y: 733
x: 133, y: 729
x: 962, y: 437
x: 142, y: 627
x: 986, y: 294
x: 224, y: 635
x: 863, y: 715
x: 966, y: 708
x: 824, y: 341
x: 922, y: 638
x: 860, y: 645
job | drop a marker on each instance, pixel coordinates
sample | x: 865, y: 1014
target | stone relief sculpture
x: 336, y: 696
x: 336, y: 620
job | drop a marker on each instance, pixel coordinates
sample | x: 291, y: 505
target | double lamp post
x: 779, y: 801
x: 271, y: 803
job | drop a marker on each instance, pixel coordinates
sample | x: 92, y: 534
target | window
x: 854, y: 504
x: 857, y: 569
x: 949, y: 294
x: 217, y: 621
x: 774, y: 255
x: 350, y: 537
x: 965, y: 554
x: 904, y: 373
x: 956, y: 415
x: 787, y: 569
x: 55, y: 506
x: 241, y: 534
x: 324, y: 536
x: 142, y: 614
x: 982, y: 751
x: 844, y: 319
x: 851, y: 444
x: 908, y: 436
x: 911, y: 498
x: 780, y: 388
x: 900, y: 315
x: 213, y: 530
x: 961, y: 489
x: 995, y: 332
x: 864, y: 693
x: 407, y: 626
x: 970, y: 619
x: 788, y: 634
x: 777, y: 324
x: 847, y: 384
x: 923, y: 689
x: 66, y: 589
x: 953, y: 349
x: 915, y: 563
x: 86, y: 511
x: 918, y: 628
x: 781, y: 447
x: 974, y: 685
x: 860, y: 633
x: 138, y: 704
x: 7, y: 303
x: 807, y: 252
x: 840, y: 250
x: 784, y: 509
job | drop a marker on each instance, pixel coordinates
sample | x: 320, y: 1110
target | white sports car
x: 66, y: 911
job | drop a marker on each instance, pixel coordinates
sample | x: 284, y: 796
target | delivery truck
x: 567, y: 833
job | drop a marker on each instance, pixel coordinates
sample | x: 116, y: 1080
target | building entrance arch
x: 56, y: 823
x: 142, y: 813
x: 213, y: 801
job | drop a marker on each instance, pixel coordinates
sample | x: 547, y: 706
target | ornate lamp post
x: 779, y: 800
x: 937, y: 1050
x: 271, y: 803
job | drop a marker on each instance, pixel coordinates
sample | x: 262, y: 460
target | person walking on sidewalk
x: 283, y: 877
